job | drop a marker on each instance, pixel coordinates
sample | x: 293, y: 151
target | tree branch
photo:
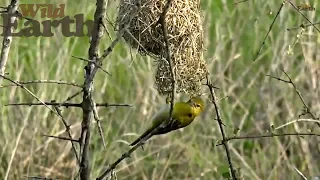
x: 296, y: 8
x: 162, y: 21
x: 43, y: 82
x: 90, y: 71
x: 224, y: 137
x: 68, y: 104
x: 265, y: 136
x: 7, y: 38
x: 306, y: 107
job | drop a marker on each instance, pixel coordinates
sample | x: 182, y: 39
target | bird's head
x: 197, y: 105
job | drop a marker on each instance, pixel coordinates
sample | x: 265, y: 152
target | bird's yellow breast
x: 184, y: 113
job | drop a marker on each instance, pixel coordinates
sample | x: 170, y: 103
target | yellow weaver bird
x: 183, y: 114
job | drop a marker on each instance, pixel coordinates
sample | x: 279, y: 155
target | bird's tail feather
x: 141, y: 137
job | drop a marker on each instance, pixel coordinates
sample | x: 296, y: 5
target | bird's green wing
x: 143, y: 135
x: 157, y: 119
x: 181, y: 117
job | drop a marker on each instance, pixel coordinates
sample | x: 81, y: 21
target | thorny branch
x: 90, y: 71
x: 7, y: 38
x: 303, y: 26
x: 266, y: 136
x: 31, y: 93
x: 296, y: 8
x: 57, y: 112
x: 142, y: 141
x: 224, y: 137
x: 270, y: 27
x: 126, y: 155
x: 43, y: 82
x: 68, y: 104
x: 95, y: 63
x: 68, y: 132
x: 306, y: 107
x: 162, y: 21
x: 61, y: 138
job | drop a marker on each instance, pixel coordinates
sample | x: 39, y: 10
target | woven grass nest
x: 185, y: 35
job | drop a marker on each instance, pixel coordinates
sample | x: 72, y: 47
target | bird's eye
x: 197, y: 105
x: 189, y: 115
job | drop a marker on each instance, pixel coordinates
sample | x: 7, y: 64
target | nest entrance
x: 185, y: 36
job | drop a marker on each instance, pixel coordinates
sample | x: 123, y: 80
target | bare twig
x: 42, y: 82
x: 110, y: 48
x: 70, y: 98
x: 279, y: 79
x: 224, y: 137
x: 39, y: 177
x: 124, y: 156
x: 265, y: 38
x: 300, y: 173
x: 47, y: 103
x: 114, y: 105
x: 57, y: 112
x: 282, y: 4
x: 107, y: 51
x: 258, y: 136
x: 162, y: 21
x: 68, y: 132
x: 303, y: 26
x: 7, y: 38
x: 306, y: 107
x: 31, y: 93
x: 61, y: 138
x: 90, y: 72
x: 96, y: 117
x: 296, y: 8
x: 94, y: 60
x: 68, y: 104
x: 106, y: 29
x: 87, y: 60
x: 129, y: 152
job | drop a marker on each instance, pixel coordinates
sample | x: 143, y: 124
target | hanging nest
x: 185, y: 35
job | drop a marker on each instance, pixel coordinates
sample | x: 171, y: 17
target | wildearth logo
x: 306, y: 7
x: 56, y: 18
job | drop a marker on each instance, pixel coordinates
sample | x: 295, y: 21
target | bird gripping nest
x: 138, y: 19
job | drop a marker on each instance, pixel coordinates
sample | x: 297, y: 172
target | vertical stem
x: 7, y: 39
x: 162, y: 21
x: 224, y: 138
x: 91, y: 70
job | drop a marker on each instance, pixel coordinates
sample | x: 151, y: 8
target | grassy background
x: 254, y: 103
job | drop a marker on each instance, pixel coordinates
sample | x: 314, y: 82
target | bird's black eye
x: 189, y: 115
